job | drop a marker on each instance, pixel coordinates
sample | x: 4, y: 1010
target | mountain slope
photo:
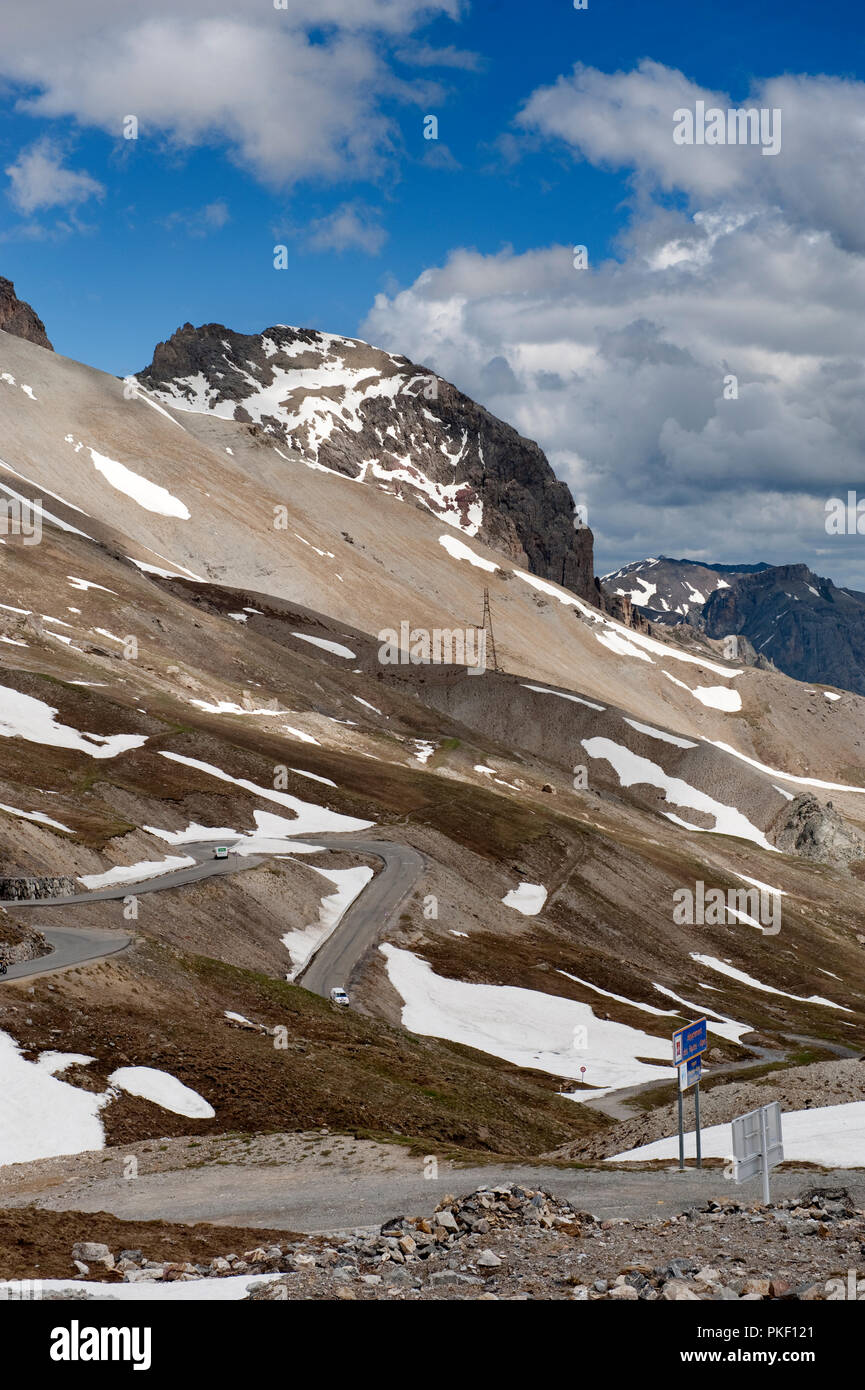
x: 230, y: 680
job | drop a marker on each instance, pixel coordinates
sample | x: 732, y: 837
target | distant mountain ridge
x: 669, y: 591
x: 805, y: 625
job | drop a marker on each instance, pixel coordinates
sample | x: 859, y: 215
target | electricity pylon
x: 487, y: 627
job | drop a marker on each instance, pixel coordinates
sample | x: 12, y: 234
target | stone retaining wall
x: 16, y: 889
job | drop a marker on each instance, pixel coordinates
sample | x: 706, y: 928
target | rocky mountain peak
x: 807, y: 626
x: 372, y: 415
x: 18, y: 318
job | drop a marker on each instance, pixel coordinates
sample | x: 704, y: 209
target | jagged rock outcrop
x: 620, y: 607
x: 378, y: 417
x: 816, y: 832
x: 810, y: 629
x: 18, y: 318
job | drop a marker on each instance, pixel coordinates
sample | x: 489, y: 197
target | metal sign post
x: 764, y: 1153
x: 689, y: 1043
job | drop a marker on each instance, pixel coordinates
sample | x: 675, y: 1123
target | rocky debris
x: 19, y: 942
x: 19, y: 319
x: 816, y: 832
x: 400, y: 422
x: 512, y: 1242
x: 87, y: 1252
x: 546, y: 1249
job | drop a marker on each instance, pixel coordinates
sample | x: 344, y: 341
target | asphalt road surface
x: 204, y: 867
x: 70, y: 946
x: 337, y: 957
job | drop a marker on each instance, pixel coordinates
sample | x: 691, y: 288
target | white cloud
x: 619, y: 370
x: 294, y: 93
x: 624, y: 120
x: 351, y: 226
x: 40, y: 180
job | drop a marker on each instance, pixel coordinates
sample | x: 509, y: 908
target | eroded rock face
x: 18, y: 318
x: 808, y: 627
x: 817, y: 832
x: 377, y: 417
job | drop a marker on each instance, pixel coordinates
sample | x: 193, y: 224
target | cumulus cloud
x: 39, y: 179
x: 295, y: 93
x: 624, y: 371
x: 625, y: 120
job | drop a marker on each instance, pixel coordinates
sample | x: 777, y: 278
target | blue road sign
x: 689, y: 1041
x: 689, y: 1073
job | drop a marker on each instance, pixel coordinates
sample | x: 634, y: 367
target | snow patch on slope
x: 633, y: 770
x: 524, y: 1026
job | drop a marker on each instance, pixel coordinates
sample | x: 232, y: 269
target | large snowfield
x: 23, y: 716
x: 530, y: 1029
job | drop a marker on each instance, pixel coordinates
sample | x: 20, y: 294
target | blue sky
x: 141, y: 265
x: 305, y: 127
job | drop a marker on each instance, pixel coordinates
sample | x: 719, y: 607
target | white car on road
x: 339, y: 996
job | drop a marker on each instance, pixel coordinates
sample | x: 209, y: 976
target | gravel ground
x: 506, y: 1242
x: 515, y: 1243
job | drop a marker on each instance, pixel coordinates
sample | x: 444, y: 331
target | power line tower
x: 487, y: 628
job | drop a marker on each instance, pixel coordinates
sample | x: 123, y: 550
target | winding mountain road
x: 69, y: 946
x: 204, y: 867
x: 332, y: 964
x: 340, y: 953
